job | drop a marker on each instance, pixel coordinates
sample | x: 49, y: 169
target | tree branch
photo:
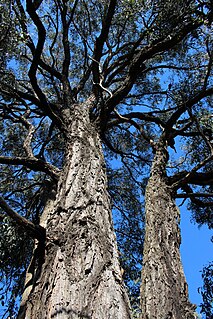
x: 188, y: 104
x: 20, y: 95
x: 137, y: 65
x: 190, y: 195
x: 129, y: 120
x: 99, y: 43
x: 195, y: 120
x: 22, y: 19
x: 173, y: 67
x: 144, y: 117
x: 36, y: 231
x: 121, y: 153
x: 33, y: 164
x: 30, y: 128
x: 65, y: 40
x: 194, y: 196
x: 193, y: 177
x: 44, y: 105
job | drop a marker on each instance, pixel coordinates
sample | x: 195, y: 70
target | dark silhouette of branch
x: 137, y: 65
x: 33, y: 164
x: 193, y: 177
x: 148, y: 117
x: 121, y: 153
x: 188, y: 104
x: 45, y: 106
x: 195, y: 197
x: 99, y: 44
x: 36, y: 231
x: 22, y: 20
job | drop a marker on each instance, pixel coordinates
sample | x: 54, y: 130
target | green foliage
x: 207, y: 291
x: 82, y: 52
x: 15, y: 254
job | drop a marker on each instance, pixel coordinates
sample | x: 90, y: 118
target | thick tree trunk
x: 80, y: 276
x: 164, y: 291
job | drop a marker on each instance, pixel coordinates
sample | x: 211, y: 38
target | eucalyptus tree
x: 134, y: 78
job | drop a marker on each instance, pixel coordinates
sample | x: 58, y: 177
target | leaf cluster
x: 207, y: 291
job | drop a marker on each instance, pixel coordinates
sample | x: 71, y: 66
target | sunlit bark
x: 164, y: 291
x: 80, y: 276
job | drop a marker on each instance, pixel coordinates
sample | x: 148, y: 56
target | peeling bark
x: 164, y: 291
x: 80, y: 276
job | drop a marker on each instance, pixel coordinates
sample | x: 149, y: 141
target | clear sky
x: 196, y: 252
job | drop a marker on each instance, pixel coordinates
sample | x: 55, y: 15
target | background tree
x: 133, y: 77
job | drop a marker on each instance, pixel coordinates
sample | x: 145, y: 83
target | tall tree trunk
x: 80, y: 276
x: 164, y: 291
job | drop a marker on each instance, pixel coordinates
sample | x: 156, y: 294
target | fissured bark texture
x: 80, y: 276
x: 164, y: 291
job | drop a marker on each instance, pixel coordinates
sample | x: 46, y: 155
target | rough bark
x: 80, y: 275
x: 164, y: 291
x: 35, y: 266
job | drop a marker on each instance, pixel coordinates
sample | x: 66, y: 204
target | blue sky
x: 196, y: 252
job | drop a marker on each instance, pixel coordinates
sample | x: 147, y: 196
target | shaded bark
x: 80, y: 276
x: 164, y: 291
x: 37, y: 260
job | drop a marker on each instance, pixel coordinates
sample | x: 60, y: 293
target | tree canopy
x: 144, y: 70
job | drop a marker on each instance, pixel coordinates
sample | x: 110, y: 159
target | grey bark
x: 80, y: 276
x: 164, y: 291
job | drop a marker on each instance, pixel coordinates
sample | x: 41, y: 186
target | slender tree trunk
x: 164, y: 291
x: 80, y: 276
